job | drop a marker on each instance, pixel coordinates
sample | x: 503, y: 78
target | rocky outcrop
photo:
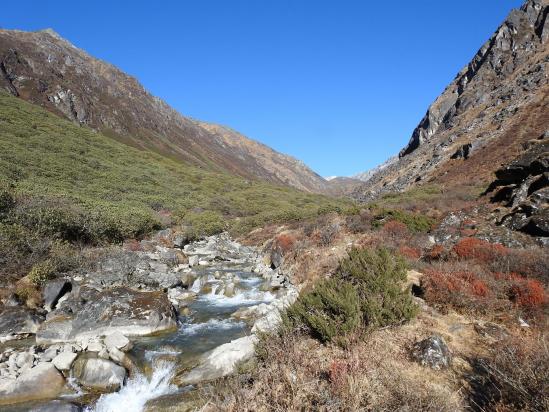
x: 47, y: 70
x: 495, y: 104
x: 522, y: 187
x: 520, y: 34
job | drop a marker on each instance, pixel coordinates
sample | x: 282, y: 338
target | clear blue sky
x: 337, y: 84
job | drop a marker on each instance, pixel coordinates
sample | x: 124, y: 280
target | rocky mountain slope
x: 480, y: 122
x: 45, y: 69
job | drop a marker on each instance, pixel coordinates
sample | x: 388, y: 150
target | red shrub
x: 286, y: 242
x: 478, y: 249
x: 527, y: 293
x: 337, y: 373
x: 410, y: 252
x: 395, y: 229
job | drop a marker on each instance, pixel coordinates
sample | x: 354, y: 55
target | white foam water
x: 151, y: 354
x: 138, y: 391
x: 244, y: 299
x: 220, y: 324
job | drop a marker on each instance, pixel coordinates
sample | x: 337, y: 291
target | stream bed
x: 229, y: 295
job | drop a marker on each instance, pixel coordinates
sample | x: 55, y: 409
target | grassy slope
x: 45, y: 156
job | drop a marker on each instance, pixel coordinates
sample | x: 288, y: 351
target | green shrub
x: 42, y: 272
x: 7, y: 202
x: 330, y: 311
x: 201, y: 224
x: 365, y: 292
x: 325, y: 209
x: 415, y: 222
x: 378, y: 276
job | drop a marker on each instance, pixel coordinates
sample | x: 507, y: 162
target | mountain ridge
x: 497, y: 102
x: 44, y: 68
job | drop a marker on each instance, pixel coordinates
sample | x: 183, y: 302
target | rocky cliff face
x: 45, y: 69
x: 495, y: 103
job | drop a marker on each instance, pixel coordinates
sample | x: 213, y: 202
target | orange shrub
x: 478, y: 249
x: 479, y: 288
x: 436, y: 253
x: 527, y: 293
x: 461, y: 290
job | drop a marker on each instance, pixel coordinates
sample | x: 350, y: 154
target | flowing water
x: 207, y: 324
x: 139, y: 390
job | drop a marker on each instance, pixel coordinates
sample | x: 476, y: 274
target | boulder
x: 24, y: 359
x: 41, y: 382
x: 64, y: 360
x: 432, y: 352
x: 117, y: 340
x: 180, y: 241
x: 193, y: 260
x: 53, y: 291
x: 91, y: 313
x: 222, y: 361
x: 98, y: 374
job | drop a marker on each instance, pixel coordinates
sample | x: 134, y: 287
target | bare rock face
x: 89, y: 313
x: 495, y: 104
x: 18, y: 321
x: 46, y: 69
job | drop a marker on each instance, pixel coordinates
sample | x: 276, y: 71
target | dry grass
x: 514, y: 375
x: 374, y: 374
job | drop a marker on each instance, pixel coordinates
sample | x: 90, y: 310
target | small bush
x: 437, y: 252
x: 285, y: 242
x: 330, y: 311
x: 396, y: 229
x: 7, y: 201
x: 42, y: 272
x: 325, y: 235
x: 378, y: 276
x: 365, y: 292
x: 359, y: 223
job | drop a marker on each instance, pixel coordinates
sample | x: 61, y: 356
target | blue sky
x: 337, y: 84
